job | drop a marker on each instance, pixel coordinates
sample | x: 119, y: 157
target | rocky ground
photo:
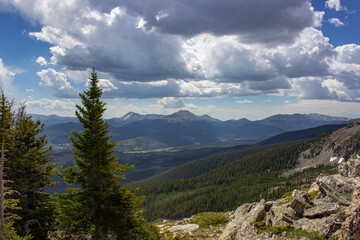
x: 330, y: 209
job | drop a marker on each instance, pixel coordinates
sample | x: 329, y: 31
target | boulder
x: 322, y: 207
x: 301, y: 201
x: 350, y: 168
x: 245, y: 231
x: 243, y: 209
x: 315, y: 225
x: 314, y: 188
x: 350, y: 229
x: 337, y: 187
x: 243, y: 224
x: 281, y: 215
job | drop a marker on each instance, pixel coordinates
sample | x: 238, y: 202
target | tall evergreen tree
x: 99, y: 205
x: 7, y: 204
x: 30, y: 172
x: 6, y: 122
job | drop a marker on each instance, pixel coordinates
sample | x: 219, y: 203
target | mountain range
x: 134, y: 131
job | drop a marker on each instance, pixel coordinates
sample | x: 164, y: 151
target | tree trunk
x: 99, y: 235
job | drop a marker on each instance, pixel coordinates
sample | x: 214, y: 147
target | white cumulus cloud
x: 57, y: 83
x: 6, y: 78
x: 336, y: 22
x: 333, y: 4
x: 40, y: 60
x: 170, y: 102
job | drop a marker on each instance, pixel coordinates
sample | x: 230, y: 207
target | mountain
x: 291, y: 122
x: 130, y: 117
x: 184, y: 128
x: 59, y: 133
x: 300, y: 134
x: 53, y: 119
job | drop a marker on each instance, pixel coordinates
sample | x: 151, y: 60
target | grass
x: 207, y: 219
x: 314, y: 194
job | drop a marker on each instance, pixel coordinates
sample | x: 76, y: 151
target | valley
x: 153, y: 157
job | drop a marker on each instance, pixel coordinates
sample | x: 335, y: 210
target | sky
x: 229, y: 59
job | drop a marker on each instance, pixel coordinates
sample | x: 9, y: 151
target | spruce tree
x: 30, y: 172
x: 6, y: 122
x: 7, y: 230
x: 97, y: 204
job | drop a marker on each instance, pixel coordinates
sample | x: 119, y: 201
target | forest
x: 225, y: 181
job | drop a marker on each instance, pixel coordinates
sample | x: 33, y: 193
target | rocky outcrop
x: 338, y: 194
x: 350, y: 229
x: 301, y: 201
x: 350, y: 168
x: 244, y: 222
x: 323, y: 207
x: 337, y: 187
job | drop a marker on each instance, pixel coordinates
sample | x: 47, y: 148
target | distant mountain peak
x: 184, y: 115
x: 129, y: 116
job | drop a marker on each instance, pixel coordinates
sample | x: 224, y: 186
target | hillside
x: 220, y: 182
x: 300, y: 134
x: 340, y: 144
x: 326, y: 210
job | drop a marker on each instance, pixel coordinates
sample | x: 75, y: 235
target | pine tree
x: 6, y: 121
x: 30, y: 172
x: 7, y: 230
x: 98, y: 204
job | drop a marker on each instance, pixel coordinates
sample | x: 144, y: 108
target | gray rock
x: 314, y: 188
x: 243, y: 209
x: 350, y: 168
x: 351, y: 227
x: 323, y: 207
x: 314, y: 225
x: 281, y: 215
x: 246, y: 231
x: 300, y: 202
x: 337, y: 187
x: 243, y: 224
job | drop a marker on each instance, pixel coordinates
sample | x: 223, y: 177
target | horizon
x: 295, y: 56
x: 196, y: 115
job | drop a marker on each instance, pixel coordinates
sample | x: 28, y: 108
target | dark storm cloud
x: 253, y: 20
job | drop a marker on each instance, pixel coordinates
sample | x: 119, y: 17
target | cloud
x: 57, y: 83
x: 41, y: 61
x: 6, y: 78
x: 254, y: 21
x: 104, y: 84
x: 333, y: 4
x: 46, y: 104
x: 170, y: 102
x: 349, y: 53
x: 202, y: 49
x: 318, y: 18
x: 243, y: 101
x: 336, y: 22
x: 29, y: 90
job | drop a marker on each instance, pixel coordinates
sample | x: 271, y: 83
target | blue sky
x: 228, y: 59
